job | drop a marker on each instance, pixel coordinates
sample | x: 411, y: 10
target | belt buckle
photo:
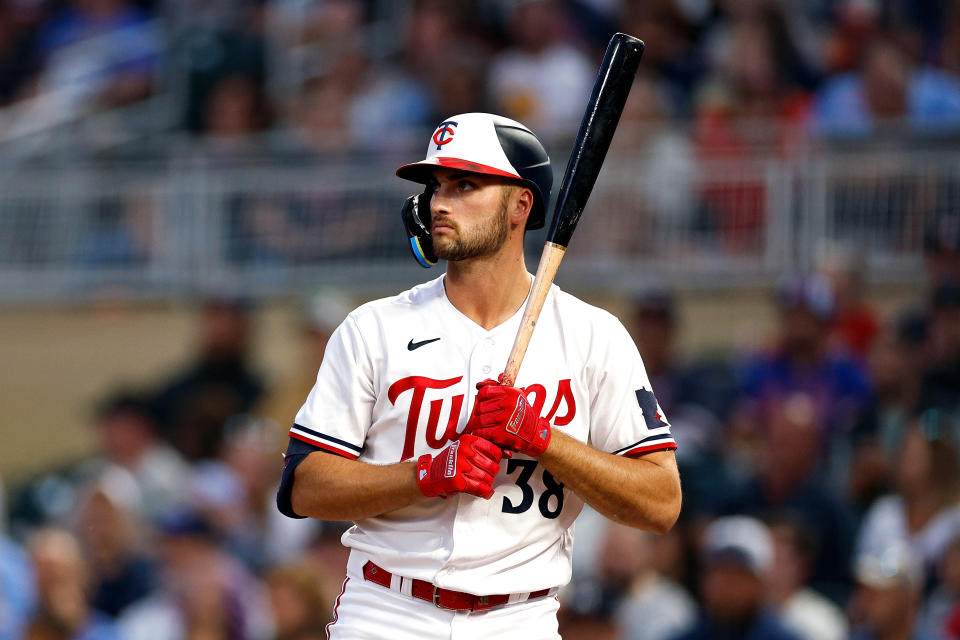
x: 436, y: 600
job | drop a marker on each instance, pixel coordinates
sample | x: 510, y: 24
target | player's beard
x: 487, y: 240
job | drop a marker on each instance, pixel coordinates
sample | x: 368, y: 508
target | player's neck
x: 488, y: 290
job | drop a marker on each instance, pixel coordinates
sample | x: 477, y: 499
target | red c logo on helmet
x: 444, y: 133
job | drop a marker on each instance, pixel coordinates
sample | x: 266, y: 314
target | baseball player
x: 464, y: 491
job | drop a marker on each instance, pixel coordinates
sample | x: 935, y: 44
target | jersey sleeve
x: 626, y: 419
x: 338, y: 410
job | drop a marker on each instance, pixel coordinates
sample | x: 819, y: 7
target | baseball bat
x: 614, y: 80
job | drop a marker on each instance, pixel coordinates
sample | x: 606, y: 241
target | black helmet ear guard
x: 416, y: 220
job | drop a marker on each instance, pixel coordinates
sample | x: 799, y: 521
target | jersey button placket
x: 481, y: 360
x: 488, y: 344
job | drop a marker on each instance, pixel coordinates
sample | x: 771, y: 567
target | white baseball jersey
x: 399, y: 380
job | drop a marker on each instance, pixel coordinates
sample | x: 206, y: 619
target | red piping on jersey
x: 661, y: 446
x: 335, y: 607
x: 325, y: 447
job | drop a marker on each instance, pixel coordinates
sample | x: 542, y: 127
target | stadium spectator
x: 941, y: 246
x: 666, y: 171
x: 737, y: 555
x: 650, y: 606
x: 941, y: 381
x: 319, y: 118
x: 654, y: 328
x: 99, y: 54
x: 803, y: 362
x: 19, y: 62
x: 193, y: 406
x: 754, y: 99
x: 888, y: 594
x: 126, y: 429
x: 541, y: 79
x: 391, y: 102
x: 896, y: 364
x: 112, y: 536
x: 693, y: 396
x: 211, y: 51
x: 329, y: 555
x: 804, y: 611
x: 235, y: 110
x: 791, y: 479
x: 940, y: 616
x: 17, y: 593
x: 757, y: 64
x: 299, y: 601
x: 16, y: 590
x: 62, y: 576
x: 319, y: 315
x: 855, y: 322
x: 204, y: 592
x: 589, y: 615
x: 655, y: 325
x: 236, y: 494
x: 888, y: 88
x: 327, y: 24
x: 674, y: 51
x: 459, y: 86
x: 653, y: 191
x: 924, y: 513
x: 119, y: 233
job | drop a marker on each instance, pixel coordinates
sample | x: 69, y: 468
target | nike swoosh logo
x: 416, y: 345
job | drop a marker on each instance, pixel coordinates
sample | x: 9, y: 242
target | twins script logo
x: 444, y: 133
x: 536, y: 395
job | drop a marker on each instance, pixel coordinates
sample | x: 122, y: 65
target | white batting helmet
x: 492, y: 145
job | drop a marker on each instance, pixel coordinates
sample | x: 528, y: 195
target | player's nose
x: 440, y: 203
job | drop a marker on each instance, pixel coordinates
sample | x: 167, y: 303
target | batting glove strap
x: 467, y: 465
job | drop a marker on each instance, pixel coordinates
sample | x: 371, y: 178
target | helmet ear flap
x: 416, y: 220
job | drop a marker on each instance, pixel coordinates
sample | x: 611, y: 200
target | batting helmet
x: 479, y: 143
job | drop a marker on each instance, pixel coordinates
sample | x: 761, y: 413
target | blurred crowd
x: 348, y: 86
x: 821, y: 479
x: 337, y: 74
x: 821, y: 474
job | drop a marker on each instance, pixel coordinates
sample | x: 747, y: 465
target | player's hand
x: 466, y: 465
x: 503, y: 416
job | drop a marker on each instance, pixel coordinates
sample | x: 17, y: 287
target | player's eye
x: 465, y: 185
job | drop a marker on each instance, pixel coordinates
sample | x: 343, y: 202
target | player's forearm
x: 329, y: 487
x: 640, y: 492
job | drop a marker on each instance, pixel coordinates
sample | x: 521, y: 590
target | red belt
x: 444, y: 598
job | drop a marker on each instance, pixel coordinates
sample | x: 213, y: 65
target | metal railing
x: 186, y: 227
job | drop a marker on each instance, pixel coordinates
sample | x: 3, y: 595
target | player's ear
x: 521, y: 205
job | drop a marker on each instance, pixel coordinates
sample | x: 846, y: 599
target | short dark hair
x: 125, y: 401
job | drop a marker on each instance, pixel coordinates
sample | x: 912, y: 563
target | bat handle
x: 546, y: 270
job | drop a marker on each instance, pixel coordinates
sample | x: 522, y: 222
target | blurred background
x: 194, y: 194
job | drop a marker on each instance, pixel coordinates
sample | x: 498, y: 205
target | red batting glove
x: 468, y: 465
x: 503, y: 416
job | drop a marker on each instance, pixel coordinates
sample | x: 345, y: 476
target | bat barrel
x: 610, y: 91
